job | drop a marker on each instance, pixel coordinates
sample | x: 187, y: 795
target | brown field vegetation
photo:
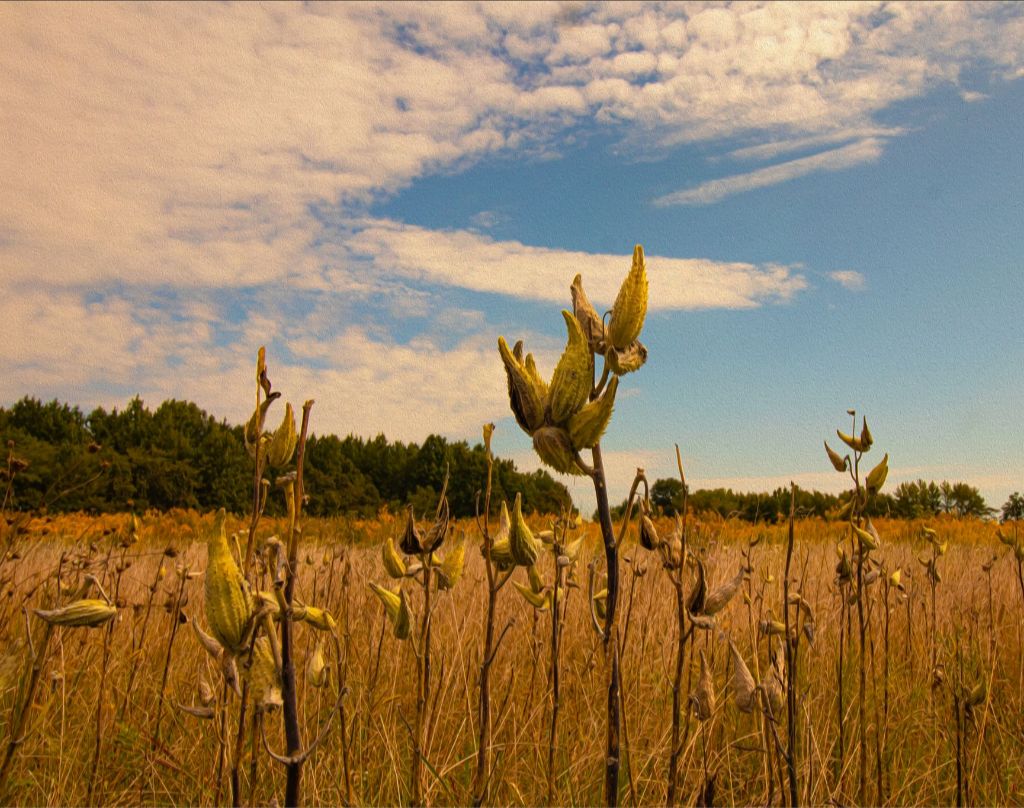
x: 106, y: 723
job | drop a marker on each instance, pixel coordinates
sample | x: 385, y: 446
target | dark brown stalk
x: 175, y: 612
x: 681, y: 636
x: 791, y: 672
x: 611, y: 771
x: 555, y: 631
x: 293, y: 739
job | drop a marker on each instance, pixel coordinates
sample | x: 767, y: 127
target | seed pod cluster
x: 560, y: 416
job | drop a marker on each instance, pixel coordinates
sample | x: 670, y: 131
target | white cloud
x: 849, y: 279
x: 473, y: 261
x: 862, y: 151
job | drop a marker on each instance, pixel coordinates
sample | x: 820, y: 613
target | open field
x: 104, y: 728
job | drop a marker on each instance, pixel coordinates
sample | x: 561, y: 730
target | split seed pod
x: 742, y: 681
x: 228, y: 604
x: 720, y: 597
x: 87, y: 613
x: 630, y: 307
x: 704, y: 697
x: 411, y: 543
x: 264, y: 679
x: 554, y: 447
x: 435, y: 536
x: 316, y: 669
x: 525, y: 398
x: 282, y: 443
x: 626, y: 360
x: 695, y: 605
x: 587, y: 317
x: 574, y: 374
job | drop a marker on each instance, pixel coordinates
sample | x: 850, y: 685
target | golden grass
x: 339, y: 557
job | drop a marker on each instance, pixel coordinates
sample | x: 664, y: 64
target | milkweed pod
x: 527, y: 402
x: 977, y: 695
x: 450, y: 571
x: 626, y: 360
x: 390, y: 600
x: 573, y: 376
x: 87, y: 613
x: 877, y: 475
x: 586, y: 315
x: 436, y: 535
x: 941, y: 548
x: 702, y: 621
x: 488, y: 432
x: 521, y: 541
x: 282, y: 443
x: 264, y: 678
x: 536, y: 582
x: 538, y: 600
x: 230, y: 671
x: 253, y: 437
x: 588, y: 425
x: 852, y: 442
x: 704, y: 696
x: 394, y: 566
x: 772, y: 627
x: 411, y: 543
x: 601, y: 604
x: 869, y: 539
x: 540, y: 386
x: 742, y: 681
x: 316, y: 668
x: 649, y: 539
x: 720, y: 597
x: 212, y: 647
x: 895, y: 578
x: 268, y: 601
x: 228, y: 603
x: 572, y: 549
x: 838, y: 463
x: 205, y: 693
x: 929, y: 533
x: 501, y: 555
x: 773, y: 686
x: 403, y: 623
x: 198, y: 712
x: 695, y: 605
x: 865, y: 436
x: 630, y: 306
x: 320, y: 619
x: 554, y: 448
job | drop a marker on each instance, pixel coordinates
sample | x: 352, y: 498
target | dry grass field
x: 106, y: 723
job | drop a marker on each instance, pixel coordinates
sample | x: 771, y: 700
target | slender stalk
x: 791, y: 673
x: 555, y: 631
x: 21, y: 707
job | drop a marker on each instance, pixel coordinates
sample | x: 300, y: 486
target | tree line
x: 179, y: 456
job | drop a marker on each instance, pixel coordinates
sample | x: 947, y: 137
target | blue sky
x: 829, y: 197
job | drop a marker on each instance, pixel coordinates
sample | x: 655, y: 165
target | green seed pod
x: 394, y: 566
x: 320, y: 619
x: 869, y: 538
x: 264, y: 678
x: 537, y: 600
x: 854, y: 443
x: 536, y: 582
x: 228, y: 604
x: 630, y: 307
x: 523, y: 545
x: 282, y: 444
x: 87, y: 612
x: 838, y: 463
x: 450, y: 571
x: 626, y: 360
x: 396, y: 607
x: 554, y: 447
x: 586, y: 315
x: 316, y: 670
x: 403, y: 623
x: 501, y: 547
x: 865, y: 436
x: 601, y: 604
x: 573, y: 376
x: 877, y: 475
x: 588, y: 425
x: 540, y: 387
x: 526, y: 399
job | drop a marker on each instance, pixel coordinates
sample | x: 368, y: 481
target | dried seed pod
x: 601, y: 604
x: 865, y: 436
x: 213, y: 648
x: 264, y: 677
x: 773, y: 685
x: 554, y: 447
x: 720, y: 597
x: 703, y: 698
x: 205, y: 693
x: 436, y: 535
x: 228, y: 604
x: 282, y: 444
x: 411, y: 543
x: 573, y: 376
x: 87, y: 613
x: 523, y: 545
x: 587, y: 316
x: 630, y: 306
x: 394, y: 566
x: 742, y: 682
x: 525, y: 398
x: 649, y: 539
x: 199, y: 712
x: 626, y: 360
x: 695, y: 604
x: 588, y: 425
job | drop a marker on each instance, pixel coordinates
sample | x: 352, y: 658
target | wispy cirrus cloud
x: 862, y: 151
